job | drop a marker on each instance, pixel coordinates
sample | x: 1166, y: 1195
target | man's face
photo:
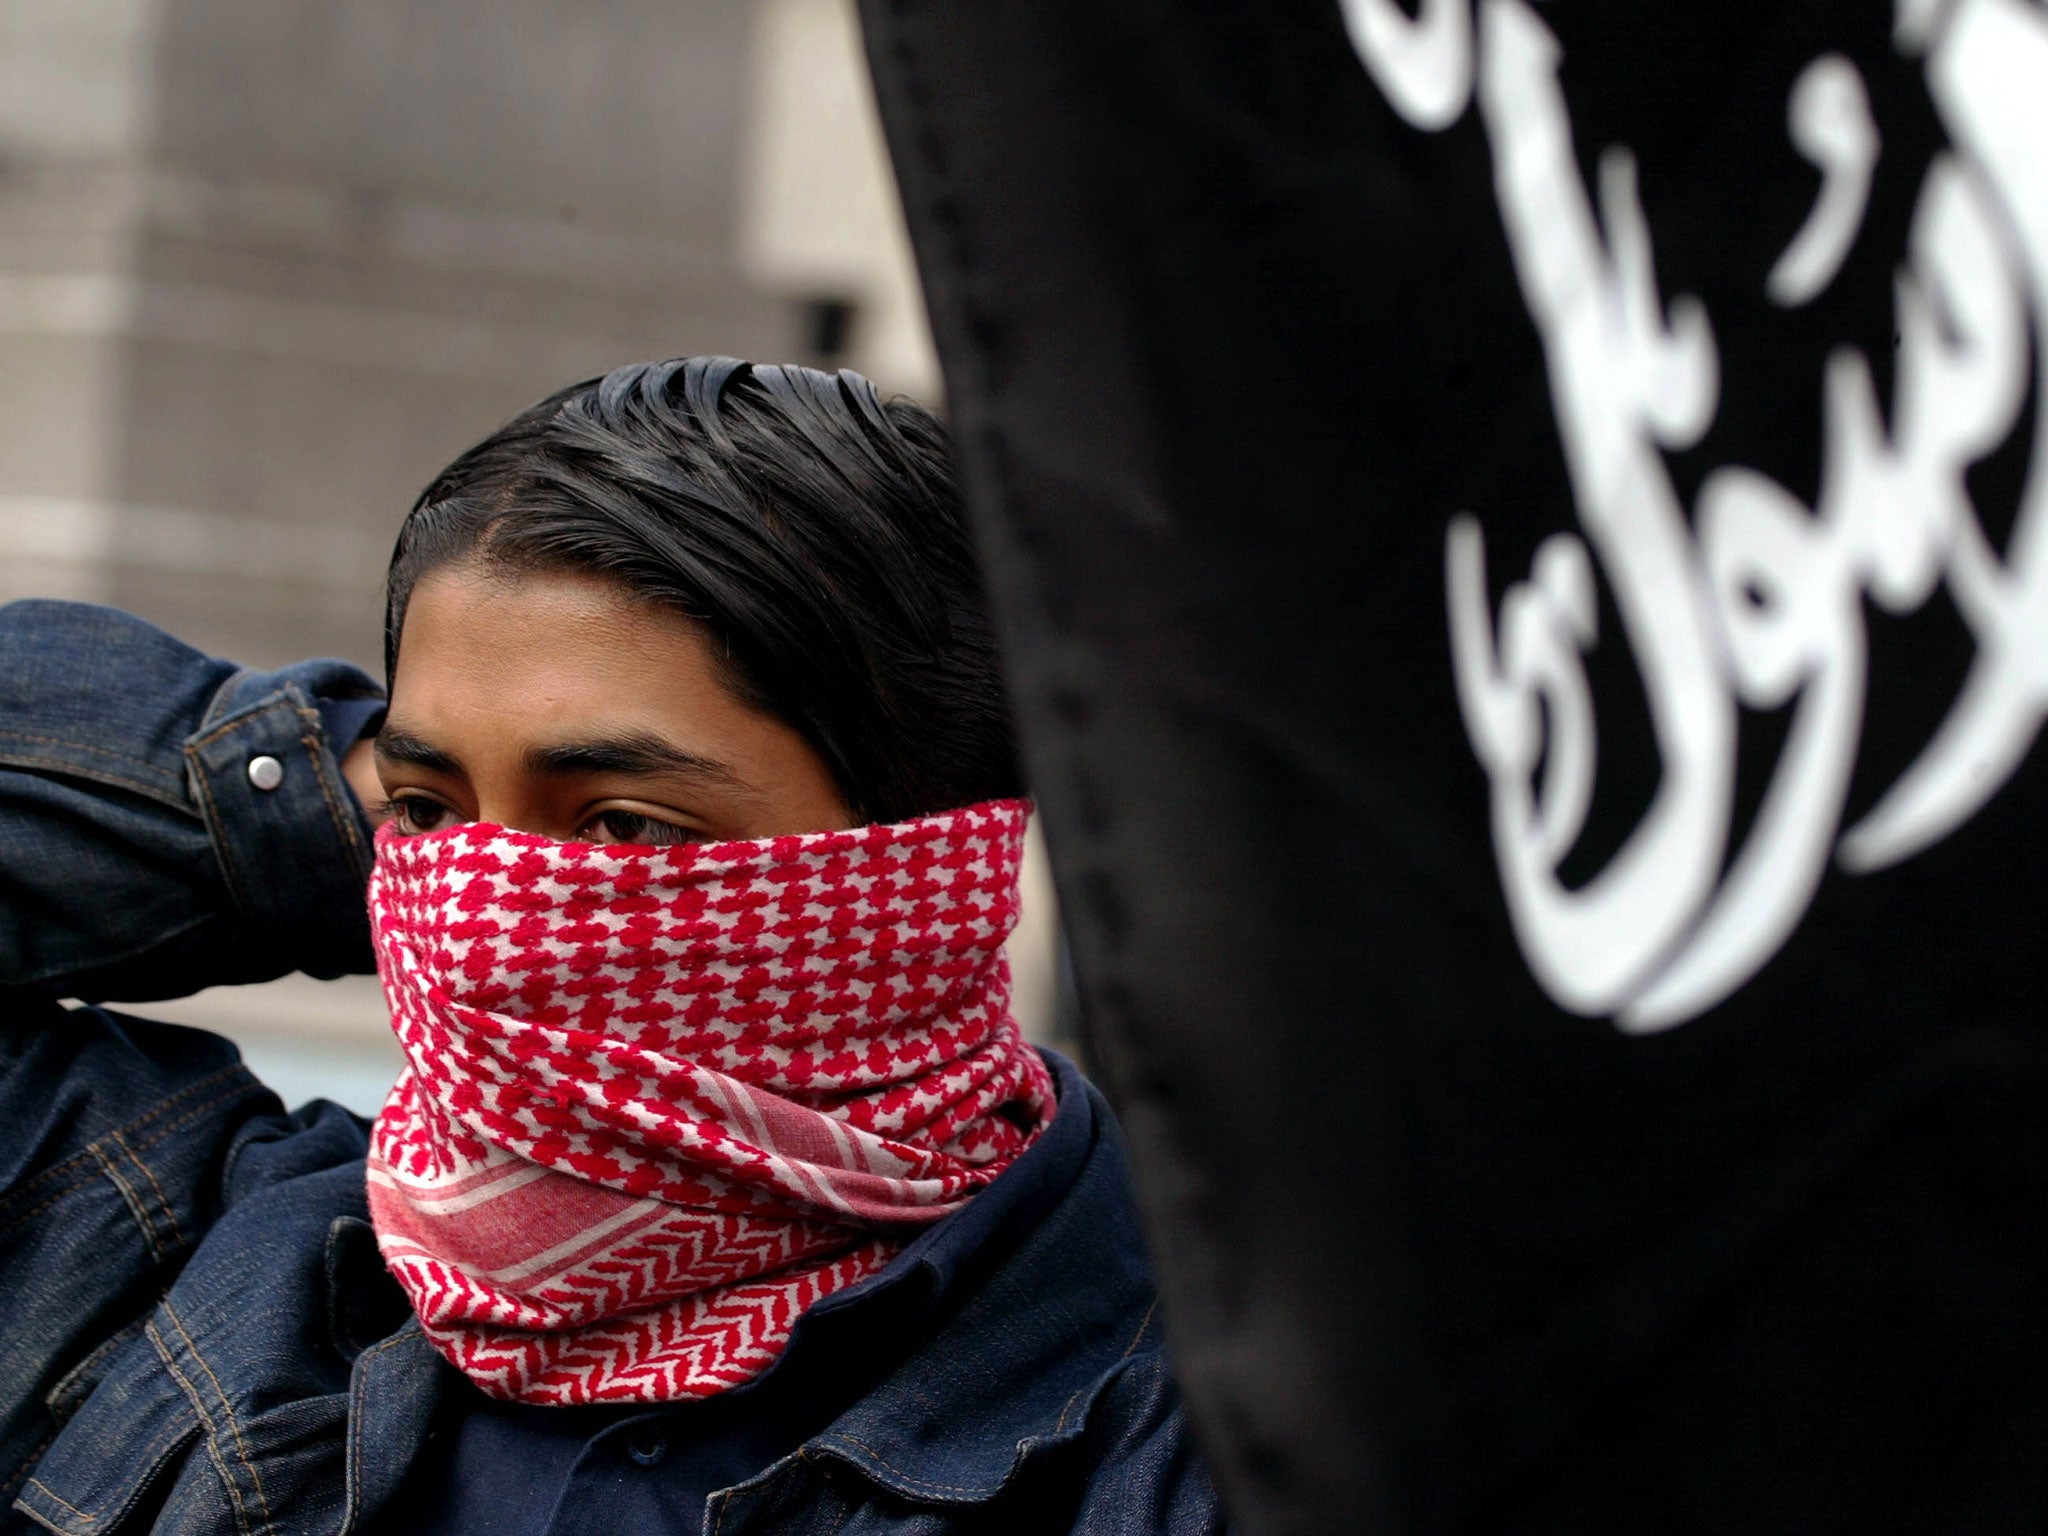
x: 560, y: 705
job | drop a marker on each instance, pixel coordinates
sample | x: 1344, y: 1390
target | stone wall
x: 263, y: 269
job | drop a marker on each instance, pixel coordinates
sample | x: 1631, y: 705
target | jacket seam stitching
x: 725, y: 1503
x: 87, y: 1154
x: 71, y: 1188
x: 344, y: 825
x: 895, y: 1471
x: 355, y: 1423
x: 238, y: 1091
x: 21, y: 1477
x: 21, y: 1473
x: 146, y: 1462
x: 163, y: 1204
x: 1129, y: 1350
x: 240, y: 718
x: 57, y: 1498
x: 143, y: 764
x: 163, y: 794
x: 212, y: 1434
x: 228, y: 1412
x: 223, y: 848
x: 134, y: 1201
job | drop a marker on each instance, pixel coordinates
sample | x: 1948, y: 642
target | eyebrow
x: 636, y: 753
x: 400, y: 746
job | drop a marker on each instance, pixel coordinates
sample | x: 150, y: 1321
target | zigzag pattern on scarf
x: 659, y: 1354
x: 659, y: 1101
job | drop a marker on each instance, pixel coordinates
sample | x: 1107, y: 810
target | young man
x: 719, y: 1192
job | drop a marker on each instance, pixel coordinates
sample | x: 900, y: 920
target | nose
x: 525, y: 807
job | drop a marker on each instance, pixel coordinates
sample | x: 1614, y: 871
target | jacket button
x: 646, y: 1450
x: 266, y: 772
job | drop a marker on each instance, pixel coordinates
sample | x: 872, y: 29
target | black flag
x: 1523, y: 537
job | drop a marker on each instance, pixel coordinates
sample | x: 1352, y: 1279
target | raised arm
x: 168, y: 821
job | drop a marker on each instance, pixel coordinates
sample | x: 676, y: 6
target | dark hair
x: 815, y: 529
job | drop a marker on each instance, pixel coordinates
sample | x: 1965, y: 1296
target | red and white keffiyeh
x: 659, y: 1101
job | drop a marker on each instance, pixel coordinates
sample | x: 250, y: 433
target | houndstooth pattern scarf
x: 657, y: 1102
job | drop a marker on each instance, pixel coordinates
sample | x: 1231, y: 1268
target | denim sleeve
x: 168, y: 821
x: 110, y: 1174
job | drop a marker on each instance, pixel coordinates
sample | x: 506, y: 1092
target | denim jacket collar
x: 1011, y: 1373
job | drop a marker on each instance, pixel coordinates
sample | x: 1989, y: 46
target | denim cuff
x: 293, y: 845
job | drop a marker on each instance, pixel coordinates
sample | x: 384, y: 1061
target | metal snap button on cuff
x: 646, y: 1450
x: 266, y: 772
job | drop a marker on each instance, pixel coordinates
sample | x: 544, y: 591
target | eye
x: 632, y: 827
x: 414, y: 814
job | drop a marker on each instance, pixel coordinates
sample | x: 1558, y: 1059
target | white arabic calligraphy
x: 1424, y: 65
x: 1758, y: 600
x: 1828, y: 118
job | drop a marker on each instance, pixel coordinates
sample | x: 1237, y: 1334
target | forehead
x: 531, y: 637
x: 494, y: 662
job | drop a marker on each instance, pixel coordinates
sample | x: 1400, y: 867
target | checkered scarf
x: 657, y: 1102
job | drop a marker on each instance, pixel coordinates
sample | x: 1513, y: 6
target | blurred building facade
x: 264, y: 269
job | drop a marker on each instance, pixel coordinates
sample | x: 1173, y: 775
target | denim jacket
x: 196, y: 1333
